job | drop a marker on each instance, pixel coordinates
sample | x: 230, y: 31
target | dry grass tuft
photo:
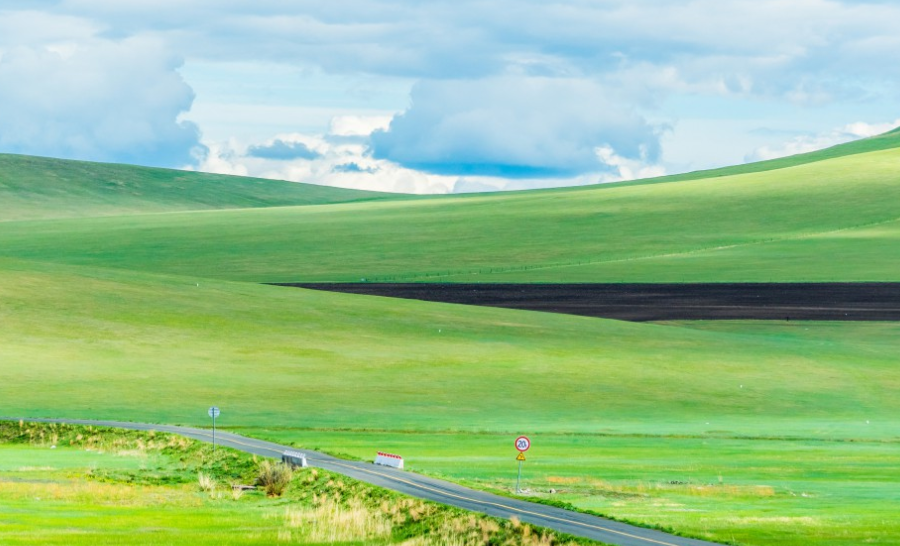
x: 274, y: 477
x: 562, y: 480
x: 330, y: 521
x: 206, y: 482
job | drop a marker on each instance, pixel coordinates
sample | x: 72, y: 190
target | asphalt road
x: 408, y: 483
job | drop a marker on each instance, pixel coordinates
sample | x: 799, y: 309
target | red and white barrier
x: 389, y: 459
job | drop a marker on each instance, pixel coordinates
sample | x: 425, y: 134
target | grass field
x: 753, y: 433
x: 142, y: 347
x: 101, y: 487
x: 787, y: 408
x: 744, y: 491
x: 38, y: 187
x: 833, y: 220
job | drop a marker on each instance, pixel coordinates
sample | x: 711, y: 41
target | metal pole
x: 214, y: 432
x: 519, y: 477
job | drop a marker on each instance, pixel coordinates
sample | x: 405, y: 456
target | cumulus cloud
x: 515, y: 127
x: 338, y: 162
x: 96, y: 99
x: 353, y: 167
x: 618, y: 169
x: 810, y: 143
x: 516, y: 88
x: 358, y: 126
x: 814, y: 50
x: 279, y: 149
x: 348, y: 163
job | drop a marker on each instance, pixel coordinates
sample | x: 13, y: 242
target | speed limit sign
x: 523, y: 443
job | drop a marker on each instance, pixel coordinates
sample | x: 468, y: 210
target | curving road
x: 557, y: 519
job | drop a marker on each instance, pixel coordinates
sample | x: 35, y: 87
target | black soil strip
x: 653, y: 302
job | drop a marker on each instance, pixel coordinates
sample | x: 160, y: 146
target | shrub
x: 274, y: 477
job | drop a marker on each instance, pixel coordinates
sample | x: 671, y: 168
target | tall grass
x: 274, y: 477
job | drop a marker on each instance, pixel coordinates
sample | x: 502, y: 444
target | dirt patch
x: 655, y: 302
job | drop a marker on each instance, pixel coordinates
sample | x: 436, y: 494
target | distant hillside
x: 876, y: 143
x: 36, y: 187
x: 834, y: 219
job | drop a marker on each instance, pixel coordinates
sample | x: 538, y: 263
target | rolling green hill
x: 830, y: 220
x: 379, y: 363
x: 886, y: 141
x: 37, y: 187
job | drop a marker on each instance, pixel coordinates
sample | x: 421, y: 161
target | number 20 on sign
x: 523, y: 443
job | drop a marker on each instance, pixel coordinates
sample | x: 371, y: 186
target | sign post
x: 214, y: 412
x: 522, y: 445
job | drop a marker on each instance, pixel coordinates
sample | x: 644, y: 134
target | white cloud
x: 809, y: 49
x: 96, y: 99
x: 810, y: 143
x: 625, y: 168
x: 30, y: 28
x: 510, y: 66
x: 514, y: 127
x: 344, y: 161
x: 336, y: 161
x: 358, y: 125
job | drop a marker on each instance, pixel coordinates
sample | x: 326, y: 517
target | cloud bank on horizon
x: 444, y: 96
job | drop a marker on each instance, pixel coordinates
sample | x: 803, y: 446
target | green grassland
x: 142, y: 303
x: 738, y: 490
x: 86, y: 343
x: 37, y: 187
x: 830, y: 220
x: 77, y: 485
x: 617, y: 410
x: 884, y: 141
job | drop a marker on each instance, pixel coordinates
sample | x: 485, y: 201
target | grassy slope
x: 885, y: 141
x: 36, y: 187
x: 830, y: 220
x: 134, y: 346
x: 645, y: 404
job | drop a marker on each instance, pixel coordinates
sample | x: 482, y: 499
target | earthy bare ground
x: 651, y: 302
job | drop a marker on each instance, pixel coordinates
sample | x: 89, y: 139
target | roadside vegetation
x: 62, y: 484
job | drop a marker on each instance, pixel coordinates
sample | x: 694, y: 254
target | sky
x: 444, y: 96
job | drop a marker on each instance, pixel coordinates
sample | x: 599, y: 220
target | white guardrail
x: 294, y: 458
x: 389, y: 459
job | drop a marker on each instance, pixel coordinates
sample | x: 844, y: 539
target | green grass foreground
x: 65, y: 485
x: 767, y: 491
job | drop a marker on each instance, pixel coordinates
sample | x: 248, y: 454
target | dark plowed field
x: 646, y: 302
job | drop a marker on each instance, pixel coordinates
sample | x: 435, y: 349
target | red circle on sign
x: 523, y: 443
